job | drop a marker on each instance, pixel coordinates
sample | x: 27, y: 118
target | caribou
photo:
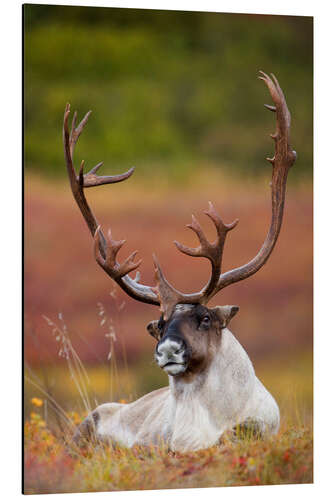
x: 212, y: 387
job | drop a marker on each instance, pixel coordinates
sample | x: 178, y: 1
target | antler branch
x: 282, y: 160
x: 211, y: 251
x: 106, y: 250
x: 109, y: 263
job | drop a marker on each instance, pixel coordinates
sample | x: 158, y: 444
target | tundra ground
x: 85, y: 345
x: 52, y: 465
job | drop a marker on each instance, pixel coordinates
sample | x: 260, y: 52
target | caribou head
x: 188, y: 341
x: 191, y: 338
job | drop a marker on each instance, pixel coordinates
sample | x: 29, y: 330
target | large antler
x: 164, y: 294
x: 283, y: 159
x: 106, y: 249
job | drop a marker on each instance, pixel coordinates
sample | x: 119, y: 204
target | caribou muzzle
x: 172, y: 353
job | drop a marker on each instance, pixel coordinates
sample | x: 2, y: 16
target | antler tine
x: 113, y: 247
x: 200, y: 250
x: 77, y: 131
x: 105, y: 249
x: 110, y: 265
x: 90, y: 179
x: 221, y: 227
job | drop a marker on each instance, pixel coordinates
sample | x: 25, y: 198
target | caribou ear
x: 226, y: 313
x: 154, y: 330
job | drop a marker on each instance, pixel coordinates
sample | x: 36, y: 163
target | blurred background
x: 176, y: 95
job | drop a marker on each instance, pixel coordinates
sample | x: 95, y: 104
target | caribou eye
x: 205, y: 322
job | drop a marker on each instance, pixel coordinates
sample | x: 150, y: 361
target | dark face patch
x: 188, y: 341
x: 195, y: 327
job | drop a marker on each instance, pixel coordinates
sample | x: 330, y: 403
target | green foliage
x: 166, y: 88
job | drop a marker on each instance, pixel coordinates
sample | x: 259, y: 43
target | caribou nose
x: 168, y: 347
